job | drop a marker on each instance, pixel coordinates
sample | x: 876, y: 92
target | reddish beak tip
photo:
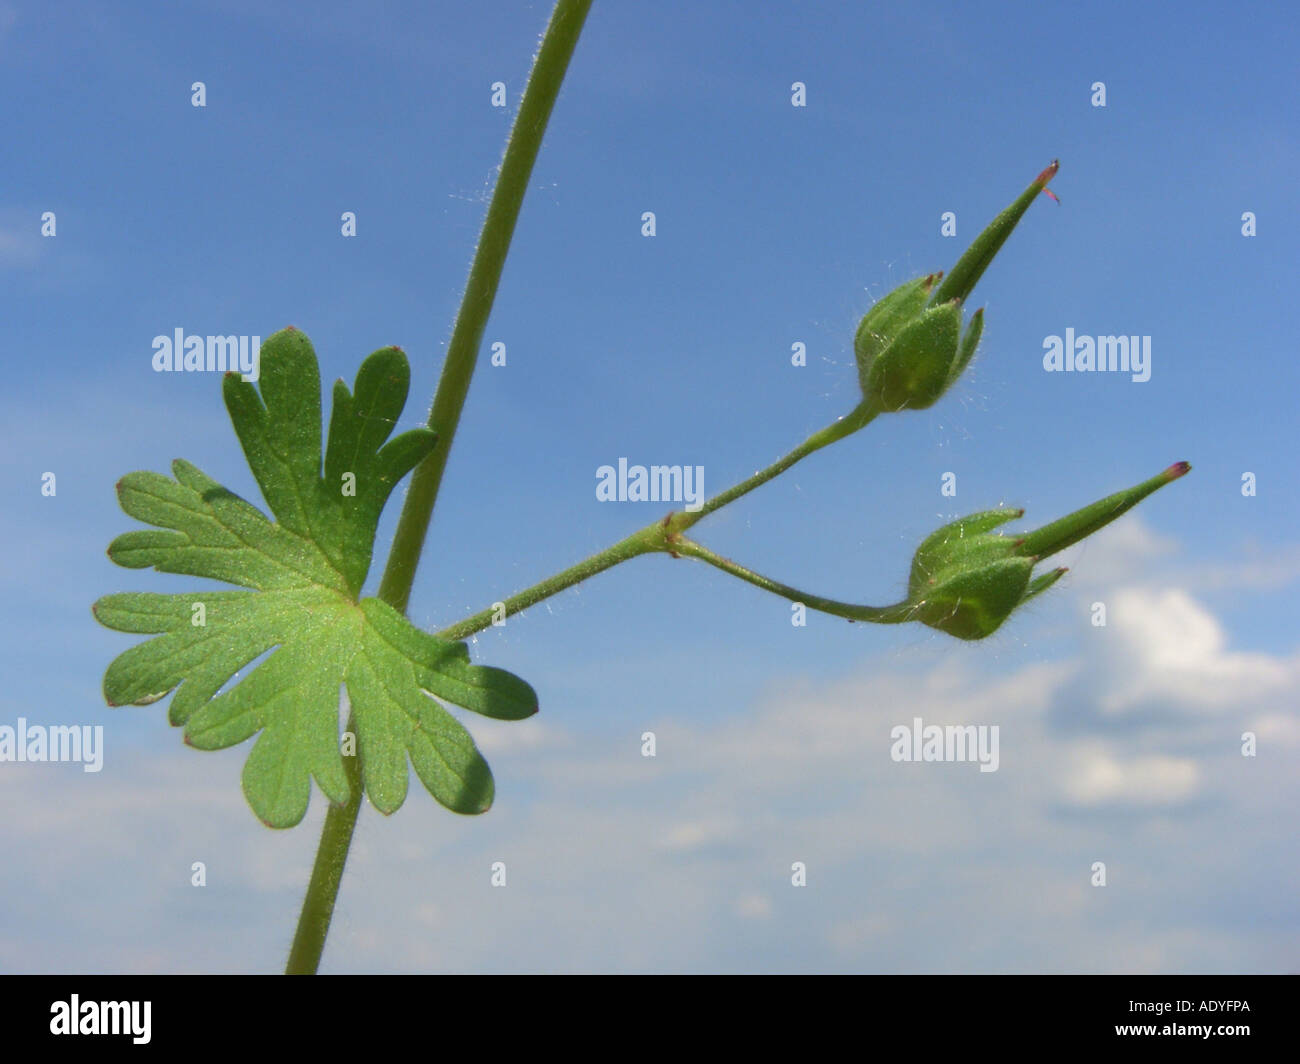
x: 1177, y: 470
x: 1049, y: 173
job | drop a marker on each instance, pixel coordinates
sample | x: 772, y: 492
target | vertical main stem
x: 525, y: 141
x: 480, y: 292
x: 326, y: 874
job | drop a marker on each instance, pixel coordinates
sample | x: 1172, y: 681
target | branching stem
x: 525, y: 141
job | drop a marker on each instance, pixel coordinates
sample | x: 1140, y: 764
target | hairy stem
x: 323, y: 889
x: 480, y: 292
x: 526, y: 134
x: 863, y: 414
x: 650, y: 538
x: 660, y: 535
x: 899, y: 613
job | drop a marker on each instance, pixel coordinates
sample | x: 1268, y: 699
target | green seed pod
x: 971, y: 266
x: 908, y: 359
x: 884, y: 320
x: 969, y: 341
x: 973, y: 603
x: 966, y: 579
x: 959, y: 545
x: 913, y: 371
x: 1069, y: 530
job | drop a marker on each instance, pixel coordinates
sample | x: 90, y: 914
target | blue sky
x: 775, y: 225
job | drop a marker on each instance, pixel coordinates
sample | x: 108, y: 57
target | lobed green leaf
x: 303, y: 612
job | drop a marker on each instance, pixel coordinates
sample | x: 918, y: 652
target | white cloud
x: 682, y: 862
x: 1261, y: 569
x: 1281, y: 728
x: 1119, y: 553
x: 754, y: 905
x: 1131, y: 552
x: 851, y: 937
x: 1166, y: 647
x: 1097, y: 777
x: 497, y: 737
x: 697, y: 835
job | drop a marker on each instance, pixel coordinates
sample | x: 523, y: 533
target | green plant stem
x: 544, y: 80
x: 480, y: 291
x: 863, y: 414
x: 651, y: 538
x: 326, y: 873
x: 899, y: 613
x: 661, y: 535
